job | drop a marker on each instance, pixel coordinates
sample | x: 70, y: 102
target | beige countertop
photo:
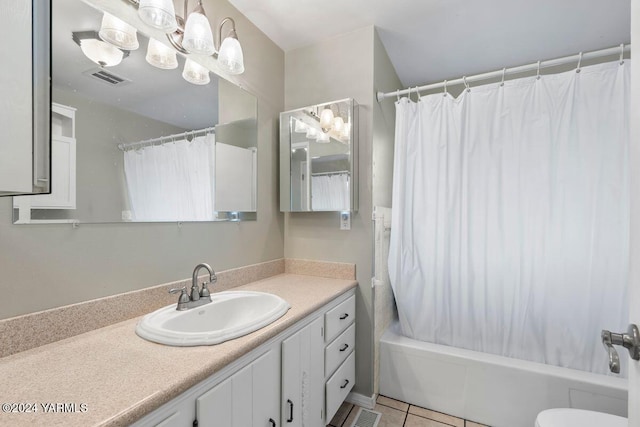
x: 115, y: 377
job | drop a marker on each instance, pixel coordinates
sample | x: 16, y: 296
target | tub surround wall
x: 46, y: 266
x: 36, y: 329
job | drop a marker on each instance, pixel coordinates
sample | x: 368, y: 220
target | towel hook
x: 538, y: 74
x: 504, y: 71
x: 445, y: 88
x: 464, y: 80
x: 621, y: 53
x: 579, y: 62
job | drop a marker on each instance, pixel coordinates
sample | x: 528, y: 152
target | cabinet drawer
x: 337, y: 319
x: 339, y: 349
x: 340, y: 384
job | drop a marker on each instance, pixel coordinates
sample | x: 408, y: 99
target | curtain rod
x: 380, y: 96
x: 148, y: 142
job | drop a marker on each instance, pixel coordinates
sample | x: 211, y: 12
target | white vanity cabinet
x: 299, y: 378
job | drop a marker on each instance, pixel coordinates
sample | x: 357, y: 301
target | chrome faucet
x: 198, y: 296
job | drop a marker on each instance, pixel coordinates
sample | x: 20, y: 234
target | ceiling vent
x: 107, y: 77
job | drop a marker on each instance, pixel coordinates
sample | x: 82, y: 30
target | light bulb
x: 161, y: 56
x: 230, y: 57
x: 103, y: 54
x: 195, y: 73
x: 326, y: 119
x: 197, y: 35
x: 159, y: 14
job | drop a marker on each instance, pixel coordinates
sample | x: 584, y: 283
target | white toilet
x: 565, y: 417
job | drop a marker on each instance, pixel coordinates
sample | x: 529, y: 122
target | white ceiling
x: 433, y: 40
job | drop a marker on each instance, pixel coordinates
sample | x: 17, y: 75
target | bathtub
x: 493, y: 390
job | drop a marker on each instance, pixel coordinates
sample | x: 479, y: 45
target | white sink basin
x: 229, y: 315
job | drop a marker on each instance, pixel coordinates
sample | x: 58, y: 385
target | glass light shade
x: 300, y: 127
x: 161, y: 56
x: 323, y: 137
x: 118, y: 33
x: 338, y: 124
x: 159, y: 14
x: 346, y: 132
x: 195, y: 73
x: 312, y: 133
x: 230, y: 57
x: 326, y: 119
x: 103, y: 54
x: 197, y: 35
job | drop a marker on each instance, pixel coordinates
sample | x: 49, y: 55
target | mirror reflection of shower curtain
x: 173, y: 181
x: 510, y: 225
x: 330, y: 192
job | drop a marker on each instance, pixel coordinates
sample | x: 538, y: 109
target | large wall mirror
x: 132, y: 142
x: 318, y: 158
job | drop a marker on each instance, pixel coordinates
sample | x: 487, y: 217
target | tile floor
x: 400, y: 414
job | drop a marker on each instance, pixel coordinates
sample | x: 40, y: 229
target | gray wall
x: 341, y: 67
x: 45, y: 266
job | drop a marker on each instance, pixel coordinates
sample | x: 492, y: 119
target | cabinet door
x: 248, y: 398
x: 63, y: 190
x: 303, y: 377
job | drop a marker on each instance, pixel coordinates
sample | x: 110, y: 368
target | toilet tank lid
x: 566, y: 417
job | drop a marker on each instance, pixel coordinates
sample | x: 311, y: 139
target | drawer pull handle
x: 346, y: 383
x: 290, y: 403
x: 273, y: 423
x: 346, y: 346
x: 344, y: 316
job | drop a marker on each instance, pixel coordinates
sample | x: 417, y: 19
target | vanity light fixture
x: 161, y: 56
x: 100, y: 52
x: 191, y: 33
x: 338, y: 124
x: 118, y: 33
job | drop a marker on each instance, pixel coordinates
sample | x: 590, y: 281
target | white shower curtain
x: 510, y: 216
x: 173, y: 181
x: 330, y: 192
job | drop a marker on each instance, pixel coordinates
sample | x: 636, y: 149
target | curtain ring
x: 418, y: 93
x: 464, y: 80
x: 538, y: 73
x: 504, y: 71
x: 445, y: 88
x: 621, y: 53
x: 579, y: 62
x: 398, y: 95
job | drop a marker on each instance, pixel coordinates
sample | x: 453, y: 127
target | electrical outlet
x: 345, y: 220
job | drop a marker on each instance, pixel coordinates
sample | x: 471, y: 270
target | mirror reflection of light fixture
x: 300, y: 127
x: 346, y: 132
x: 118, y: 33
x: 195, y: 73
x: 194, y: 36
x: 338, y: 124
x: 326, y: 119
x: 102, y: 53
x: 161, y: 56
x: 323, y: 137
x: 312, y: 133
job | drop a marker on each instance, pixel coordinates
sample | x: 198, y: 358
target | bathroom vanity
x: 300, y: 367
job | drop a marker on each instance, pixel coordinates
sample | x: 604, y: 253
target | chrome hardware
x: 290, y: 403
x: 198, y: 296
x: 630, y: 341
x: 346, y: 346
x: 346, y: 383
x: 344, y: 316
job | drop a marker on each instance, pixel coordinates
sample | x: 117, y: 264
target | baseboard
x: 368, y: 402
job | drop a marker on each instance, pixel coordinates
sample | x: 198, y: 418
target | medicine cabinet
x: 319, y: 158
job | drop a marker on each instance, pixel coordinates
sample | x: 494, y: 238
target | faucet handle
x: 204, y: 292
x: 184, y: 297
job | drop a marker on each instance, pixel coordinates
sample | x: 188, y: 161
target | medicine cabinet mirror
x: 24, y: 107
x: 318, y: 158
x: 136, y: 143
